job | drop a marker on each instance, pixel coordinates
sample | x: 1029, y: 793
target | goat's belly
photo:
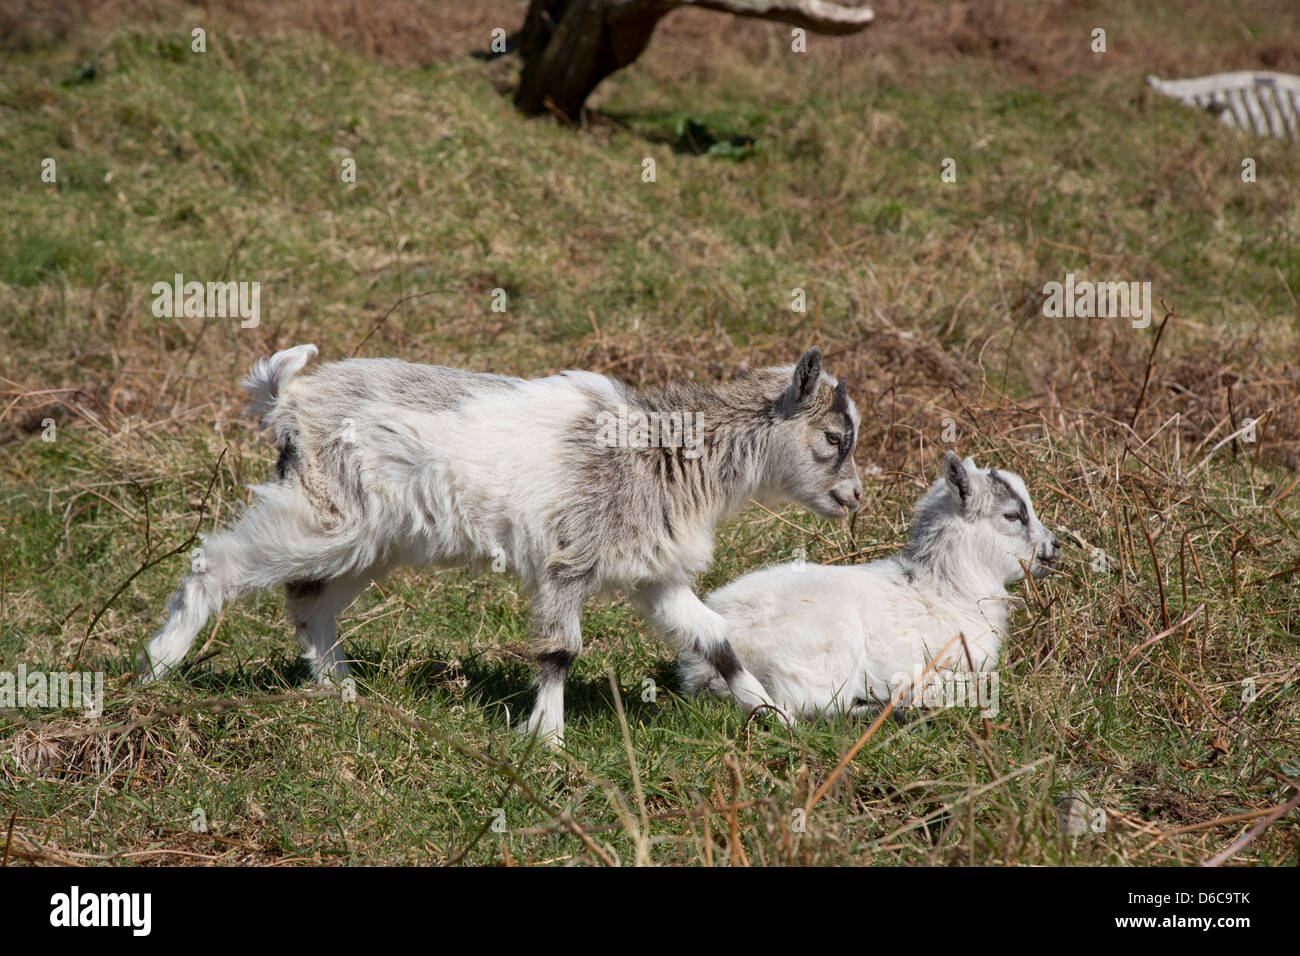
x: 810, y: 664
x: 895, y: 657
x: 829, y: 685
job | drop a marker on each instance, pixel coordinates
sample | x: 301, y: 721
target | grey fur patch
x: 429, y: 388
x: 665, y: 488
x: 313, y: 433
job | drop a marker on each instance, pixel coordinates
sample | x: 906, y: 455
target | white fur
x: 829, y: 640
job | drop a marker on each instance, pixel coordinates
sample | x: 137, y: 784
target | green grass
x: 227, y: 163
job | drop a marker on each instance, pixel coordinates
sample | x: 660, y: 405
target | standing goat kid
x: 826, y: 640
x: 384, y: 463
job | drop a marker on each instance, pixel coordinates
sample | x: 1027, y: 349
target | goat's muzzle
x: 1048, y: 559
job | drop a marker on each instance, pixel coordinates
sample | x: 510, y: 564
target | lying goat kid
x: 826, y: 640
x: 383, y: 463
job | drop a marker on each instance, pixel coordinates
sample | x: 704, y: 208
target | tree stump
x: 569, y: 46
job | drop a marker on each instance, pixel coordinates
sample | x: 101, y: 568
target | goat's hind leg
x: 276, y: 541
x: 314, y: 607
x: 218, y: 568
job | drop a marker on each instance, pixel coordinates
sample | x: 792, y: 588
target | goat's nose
x: 857, y: 494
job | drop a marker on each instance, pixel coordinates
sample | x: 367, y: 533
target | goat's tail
x: 267, y: 377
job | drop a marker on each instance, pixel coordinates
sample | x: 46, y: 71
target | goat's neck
x: 953, y: 573
x: 736, y: 468
x: 734, y: 455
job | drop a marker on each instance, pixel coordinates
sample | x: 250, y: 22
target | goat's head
x: 815, y: 430
x: 986, y: 518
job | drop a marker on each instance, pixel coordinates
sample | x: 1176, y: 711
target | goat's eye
x: 1012, y: 516
x: 833, y: 438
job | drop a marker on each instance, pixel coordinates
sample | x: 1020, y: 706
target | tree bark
x: 569, y: 46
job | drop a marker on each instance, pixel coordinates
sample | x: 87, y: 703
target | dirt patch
x: 1172, y: 806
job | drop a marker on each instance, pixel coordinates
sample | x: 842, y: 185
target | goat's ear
x: 954, y: 470
x: 803, y: 386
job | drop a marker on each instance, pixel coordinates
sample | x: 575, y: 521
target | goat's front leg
x: 676, y: 612
x: 557, y: 642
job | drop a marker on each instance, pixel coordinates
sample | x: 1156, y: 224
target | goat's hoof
x: 552, y: 740
x: 144, y: 672
x: 551, y: 735
x: 335, y: 681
